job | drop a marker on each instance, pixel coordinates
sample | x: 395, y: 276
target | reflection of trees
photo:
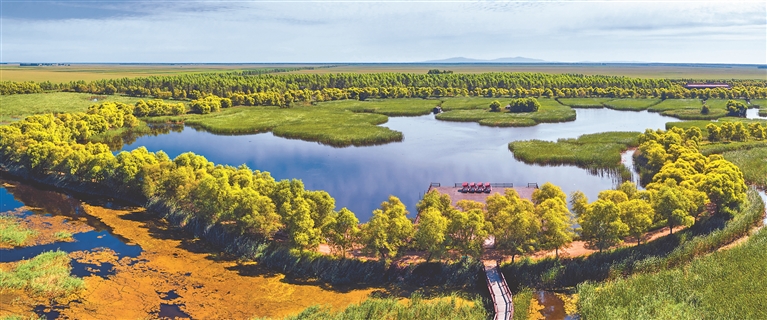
x: 116, y: 142
x: 51, y: 202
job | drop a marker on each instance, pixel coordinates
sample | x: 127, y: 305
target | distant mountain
x: 499, y: 60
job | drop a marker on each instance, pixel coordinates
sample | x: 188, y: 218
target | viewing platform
x: 456, y: 191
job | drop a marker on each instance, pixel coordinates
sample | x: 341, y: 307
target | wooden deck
x: 455, y: 195
x: 499, y: 291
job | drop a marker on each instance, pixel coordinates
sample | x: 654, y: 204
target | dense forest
x: 246, y: 88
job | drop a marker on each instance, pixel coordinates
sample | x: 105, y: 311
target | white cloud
x: 398, y: 32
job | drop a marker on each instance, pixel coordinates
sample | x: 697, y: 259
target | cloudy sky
x: 382, y: 31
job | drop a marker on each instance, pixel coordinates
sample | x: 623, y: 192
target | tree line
x: 401, y: 85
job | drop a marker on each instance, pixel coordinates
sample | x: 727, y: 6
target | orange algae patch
x: 207, y: 285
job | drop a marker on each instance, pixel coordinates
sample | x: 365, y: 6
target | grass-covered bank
x: 590, y: 151
x: 12, y: 233
x: 701, y: 124
x: 706, y: 236
x: 46, y: 274
x: 19, y: 106
x: 450, y: 307
x: 728, y: 284
x: 325, y: 124
x: 550, y: 111
x: 753, y: 163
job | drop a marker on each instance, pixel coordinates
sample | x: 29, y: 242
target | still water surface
x: 360, y: 178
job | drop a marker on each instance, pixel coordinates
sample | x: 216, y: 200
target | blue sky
x: 382, y: 31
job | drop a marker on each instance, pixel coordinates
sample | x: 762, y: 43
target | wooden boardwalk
x: 499, y: 291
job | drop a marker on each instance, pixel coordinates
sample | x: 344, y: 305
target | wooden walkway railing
x: 499, y: 291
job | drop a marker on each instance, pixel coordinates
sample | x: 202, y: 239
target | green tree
x: 515, y: 225
x: 602, y: 226
x: 556, y: 224
x: 388, y: 229
x: 672, y: 205
x: 495, y: 106
x: 343, y: 231
x: 548, y: 191
x: 430, y: 232
x: 638, y: 215
x: 467, y: 229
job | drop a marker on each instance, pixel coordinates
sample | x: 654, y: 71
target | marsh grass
x: 664, y: 253
x: 701, y: 124
x: 62, y: 235
x: 549, y: 112
x: 727, y: 284
x: 596, y: 151
x: 18, y: 106
x: 11, y: 232
x: 331, y: 125
x: 631, y: 104
x: 721, y: 147
x: 522, y: 300
x: 47, y: 274
x: 389, y: 107
x: 450, y: 307
x: 752, y: 162
x: 585, y: 102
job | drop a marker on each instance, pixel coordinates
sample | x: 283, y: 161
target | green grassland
x: 452, y: 307
x: 703, y: 123
x: 90, y: 72
x: 726, y: 284
x: 631, y: 104
x: 596, y: 151
x: 550, y: 111
x: 329, y: 125
x: 47, y: 274
x: 11, y: 232
x: 753, y: 163
x: 584, y: 102
x: 617, y: 69
x: 18, y: 106
x: 389, y: 107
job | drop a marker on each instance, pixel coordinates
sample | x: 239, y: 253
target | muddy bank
x: 174, y: 275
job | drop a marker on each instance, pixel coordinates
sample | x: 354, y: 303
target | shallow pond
x: 136, y: 266
x: 360, y: 178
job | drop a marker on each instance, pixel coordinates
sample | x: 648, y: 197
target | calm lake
x: 360, y: 178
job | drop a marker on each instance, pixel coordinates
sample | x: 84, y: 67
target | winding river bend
x: 360, y: 178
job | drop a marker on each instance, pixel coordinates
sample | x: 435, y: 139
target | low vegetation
x: 591, y: 151
x: 522, y: 300
x: 631, y: 104
x: 416, y: 308
x: 16, y: 107
x: 46, y: 274
x: 753, y: 163
x: 549, y: 111
x: 584, y: 102
x: 722, y: 285
x: 11, y: 232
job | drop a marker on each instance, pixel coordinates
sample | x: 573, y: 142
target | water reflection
x: 754, y: 114
x: 360, y: 178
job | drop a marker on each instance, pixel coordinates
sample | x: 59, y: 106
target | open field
x: 669, y: 71
x: 723, y: 285
x: 90, y: 72
x: 550, y: 111
x: 600, y: 150
x: 329, y: 125
x: 752, y: 162
x: 631, y: 104
x: 18, y: 106
x: 701, y: 124
x: 584, y: 102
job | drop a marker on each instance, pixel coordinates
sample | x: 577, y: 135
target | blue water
x: 7, y: 201
x: 85, y: 241
x: 360, y: 178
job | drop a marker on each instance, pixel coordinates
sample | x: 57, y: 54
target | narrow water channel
x: 360, y: 178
